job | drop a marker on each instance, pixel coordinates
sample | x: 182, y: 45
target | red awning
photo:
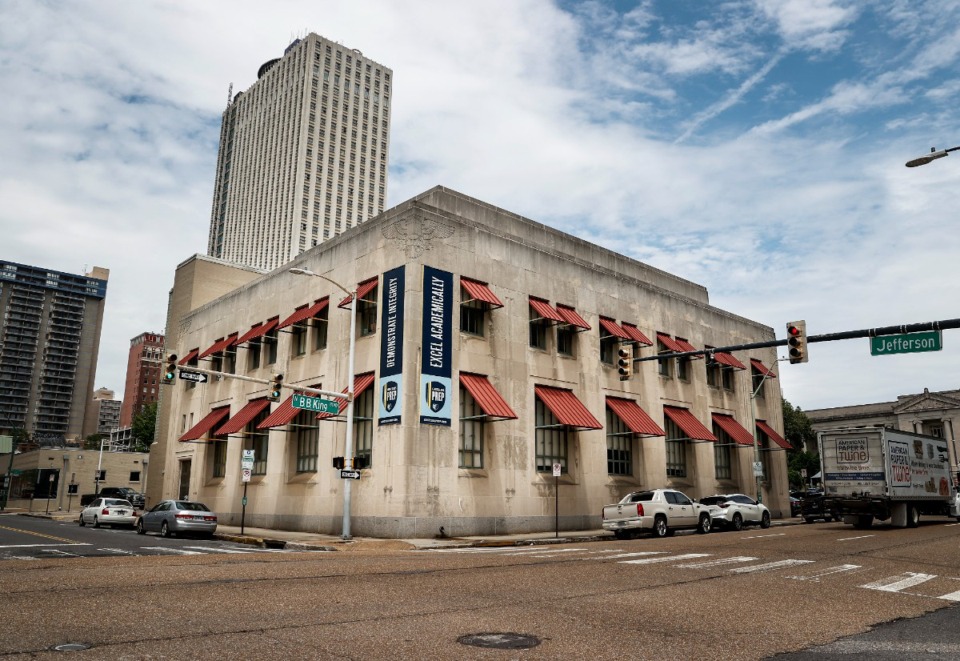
x: 487, y: 396
x: 572, y: 317
x: 363, y: 289
x: 773, y: 435
x: 634, y: 334
x: 613, y: 328
x: 733, y: 428
x: 305, y: 312
x: 479, y: 292
x: 757, y: 365
x: 688, y: 424
x: 360, y: 383
x: 259, y: 330
x: 220, y: 345
x: 543, y: 308
x: 686, y: 346
x: 190, y: 356
x: 727, y: 359
x: 243, y: 416
x: 566, y: 407
x: 668, y: 342
x: 635, y: 417
x: 209, y: 421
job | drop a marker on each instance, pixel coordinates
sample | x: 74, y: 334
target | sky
x: 756, y: 147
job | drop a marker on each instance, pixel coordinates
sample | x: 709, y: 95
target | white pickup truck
x: 660, y: 511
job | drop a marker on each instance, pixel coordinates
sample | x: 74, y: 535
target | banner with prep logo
x: 435, y: 369
x: 391, y: 348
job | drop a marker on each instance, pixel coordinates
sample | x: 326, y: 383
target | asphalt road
x: 747, y: 595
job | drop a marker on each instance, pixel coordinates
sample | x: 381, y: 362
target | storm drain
x: 71, y: 647
x: 500, y: 641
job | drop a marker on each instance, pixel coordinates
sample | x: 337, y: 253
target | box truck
x: 879, y: 473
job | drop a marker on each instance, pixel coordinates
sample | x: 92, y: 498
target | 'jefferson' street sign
x: 906, y: 343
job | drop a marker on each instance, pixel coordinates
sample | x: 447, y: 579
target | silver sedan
x: 108, y: 511
x: 170, y: 517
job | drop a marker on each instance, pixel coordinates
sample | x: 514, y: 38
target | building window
x: 134, y: 476
x: 363, y: 425
x: 230, y: 361
x: 299, y: 339
x: 270, y: 346
x: 608, y: 348
x: 257, y: 441
x: 713, y: 372
x: 472, y: 314
x: 551, y: 440
x: 565, y: 339
x: 619, y: 446
x: 721, y: 453
x: 367, y: 313
x: 676, y: 450
x: 538, y: 332
x: 758, y: 381
x: 306, y: 433
x: 220, y: 458
x: 683, y: 368
x: 472, y: 426
x: 663, y: 364
x: 253, y: 354
x: 320, y: 330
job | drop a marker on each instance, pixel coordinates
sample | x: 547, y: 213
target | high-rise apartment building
x: 49, y: 341
x: 303, y: 154
x: 106, y: 409
x: 143, y: 375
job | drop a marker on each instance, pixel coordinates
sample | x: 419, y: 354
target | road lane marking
x: 209, y: 549
x: 117, y: 551
x: 717, y: 563
x: 631, y: 555
x: 35, y: 546
x: 59, y: 552
x: 839, y: 569
x: 900, y: 582
x: 35, y: 534
x: 847, y: 539
x: 167, y: 549
x: 774, y: 534
x: 769, y: 566
x: 670, y: 558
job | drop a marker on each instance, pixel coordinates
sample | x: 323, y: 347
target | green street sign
x: 315, y: 404
x: 906, y: 343
x: 15, y: 472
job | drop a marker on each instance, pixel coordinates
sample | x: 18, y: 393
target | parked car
x: 794, y: 506
x: 813, y: 507
x: 733, y: 511
x: 125, y: 493
x: 170, y: 517
x: 659, y: 511
x: 108, y: 511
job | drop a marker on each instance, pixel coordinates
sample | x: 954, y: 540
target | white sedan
x: 735, y: 510
x: 109, y: 511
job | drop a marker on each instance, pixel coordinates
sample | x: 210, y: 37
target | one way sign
x: 347, y: 474
x: 196, y: 377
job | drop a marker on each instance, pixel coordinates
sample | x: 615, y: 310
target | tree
x: 798, y: 430
x: 144, y: 425
x: 92, y: 442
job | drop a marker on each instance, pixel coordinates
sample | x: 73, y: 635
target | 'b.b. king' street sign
x: 906, y: 343
x: 315, y: 404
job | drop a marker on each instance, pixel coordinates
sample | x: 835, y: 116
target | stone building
x: 486, y: 351
x: 142, y: 383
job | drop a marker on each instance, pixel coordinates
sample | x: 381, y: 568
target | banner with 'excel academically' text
x: 435, y: 367
x: 391, y: 348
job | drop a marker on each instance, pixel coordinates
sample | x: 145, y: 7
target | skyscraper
x: 303, y: 154
x: 143, y: 375
x: 49, y: 341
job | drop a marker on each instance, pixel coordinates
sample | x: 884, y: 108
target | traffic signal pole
x: 947, y: 324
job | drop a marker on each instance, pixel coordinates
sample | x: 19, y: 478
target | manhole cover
x: 501, y: 641
x: 71, y: 647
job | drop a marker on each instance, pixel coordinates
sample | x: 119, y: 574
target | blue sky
x: 756, y: 147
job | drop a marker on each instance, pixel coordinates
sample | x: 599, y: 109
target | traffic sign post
x: 349, y: 474
x: 906, y: 343
x: 557, y: 470
x: 315, y: 404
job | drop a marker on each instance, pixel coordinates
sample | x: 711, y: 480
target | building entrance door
x: 184, y: 491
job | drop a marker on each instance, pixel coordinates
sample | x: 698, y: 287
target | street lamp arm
x: 298, y: 271
x: 932, y: 156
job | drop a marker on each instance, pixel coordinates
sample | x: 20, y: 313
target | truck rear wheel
x: 864, y: 521
x: 660, y: 528
x: 913, y: 516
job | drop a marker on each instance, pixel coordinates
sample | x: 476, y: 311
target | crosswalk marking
x: 772, y: 534
x: 769, y: 566
x: 650, y: 561
x: 117, y: 551
x: 168, y: 549
x: 847, y: 539
x: 717, y: 563
x: 631, y: 555
x: 900, y: 582
x: 815, y: 577
x: 209, y: 549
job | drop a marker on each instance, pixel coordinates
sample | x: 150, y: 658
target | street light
x: 932, y: 156
x: 348, y: 441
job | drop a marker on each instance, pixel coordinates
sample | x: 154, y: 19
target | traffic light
x: 338, y: 462
x: 170, y: 373
x: 359, y: 463
x: 275, y: 388
x: 625, y: 362
x: 797, y: 341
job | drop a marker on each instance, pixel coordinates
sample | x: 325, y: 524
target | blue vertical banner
x: 436, y: 350
x: 391, y: 348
